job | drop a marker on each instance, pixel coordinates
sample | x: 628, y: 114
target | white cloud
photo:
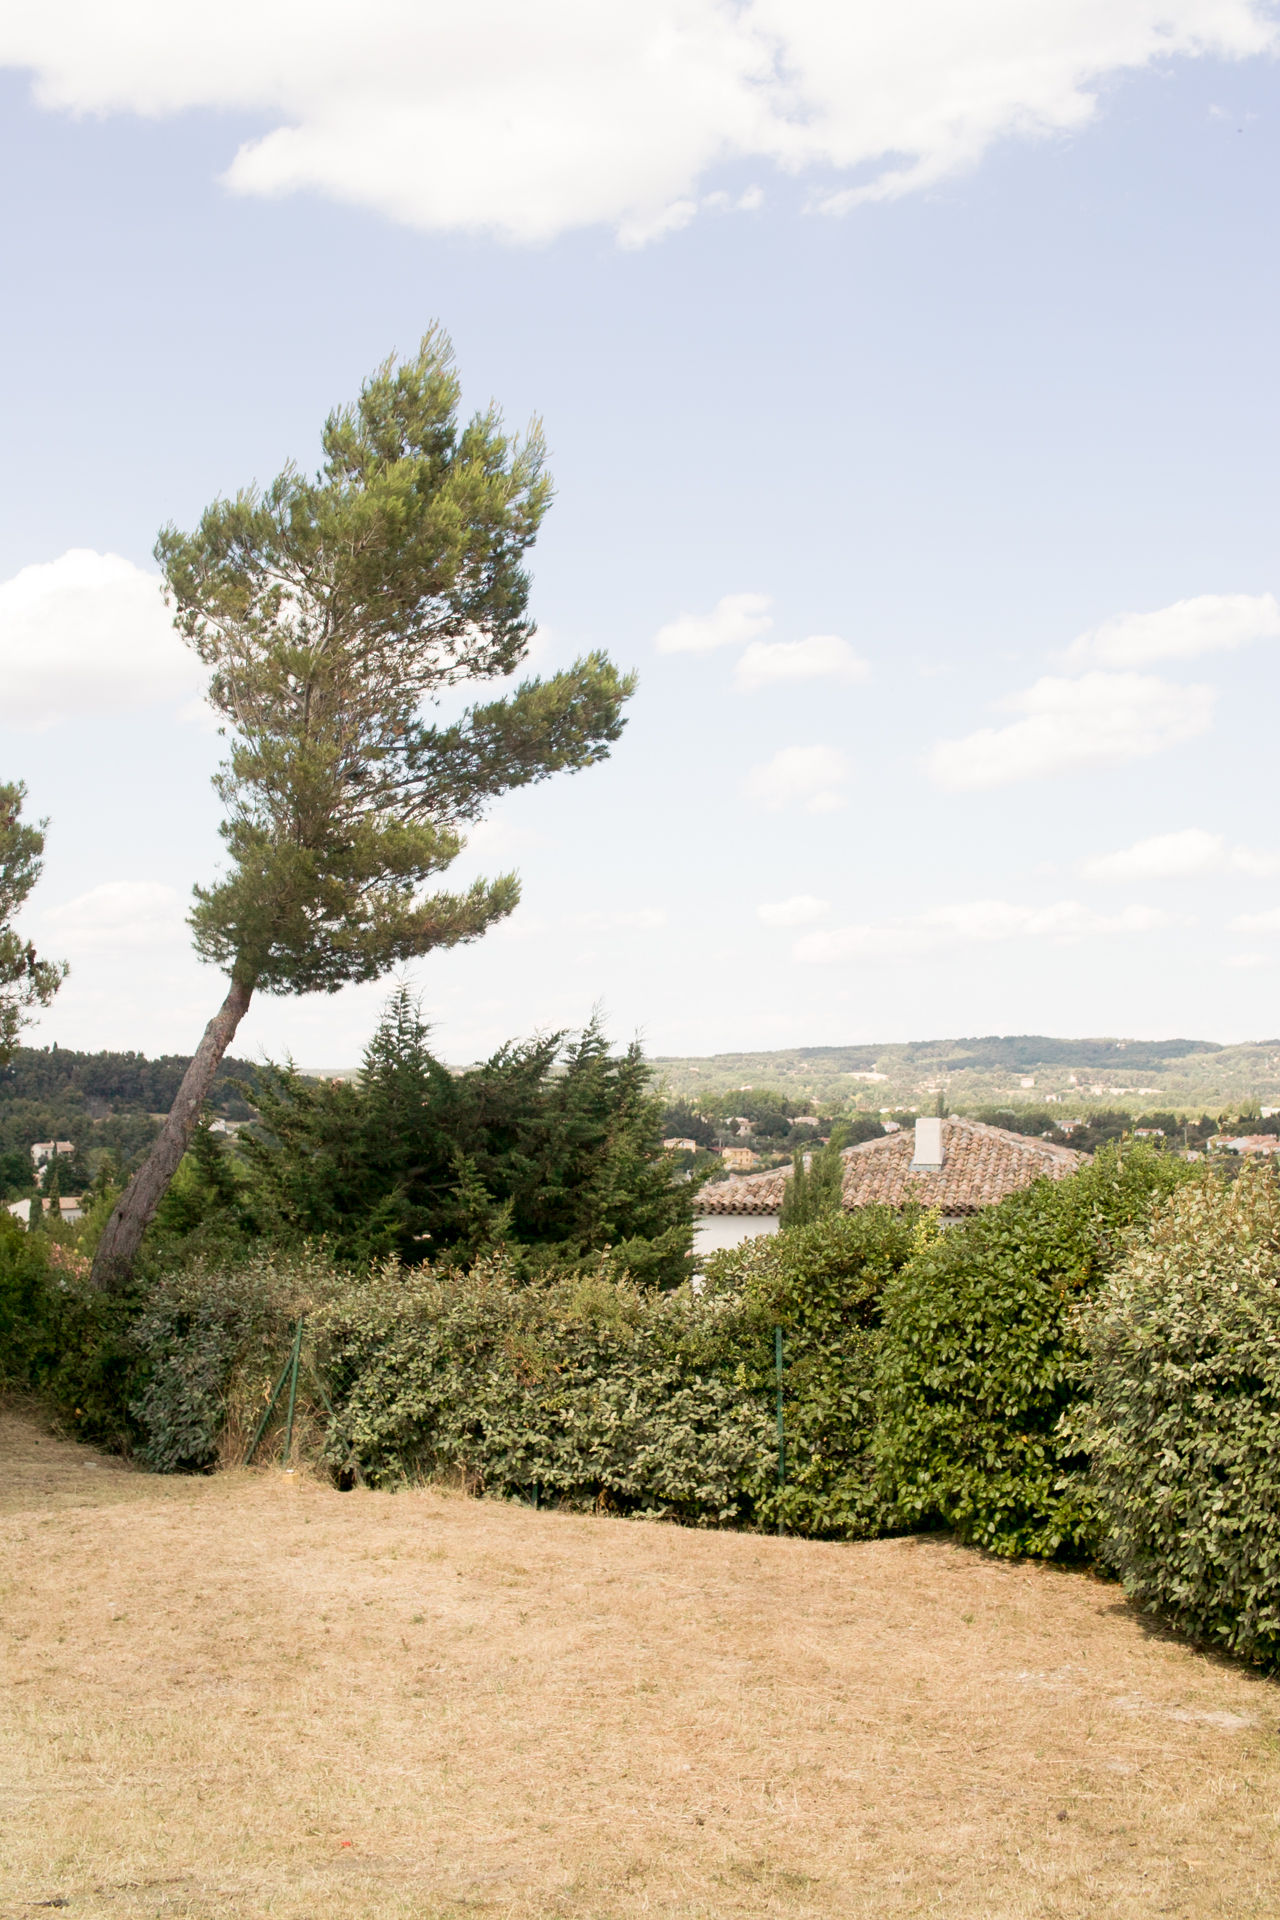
x: 823, y: 656
x: 1213, y: 623
x: 643, y: 919
x: 1247, y: 960
x: 118, y: 913
x: 1178, y: 856
x: 528, y: 117
x: 971, y: 923
x: 87, y: 634
x: 499, y: 838
x: 1268, y: 922
x: 520, y: 926
x: 737, y: 618
x: 1255, y: 861
x: 799, y: 911
x: 812, y: 775
x: 1071, y: 726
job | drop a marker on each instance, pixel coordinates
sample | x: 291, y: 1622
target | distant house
x: 680, y: 1146
x: 739, y: 1159
x: 957, y: 1166
x: 1247, y: 1142
x: 69, y: 1209
x: 45, y: 1149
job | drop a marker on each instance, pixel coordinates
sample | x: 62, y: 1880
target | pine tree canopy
x: 26, y: 981
x: 329, y: 610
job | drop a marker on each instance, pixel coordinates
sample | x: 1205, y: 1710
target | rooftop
x: 980, y: 1166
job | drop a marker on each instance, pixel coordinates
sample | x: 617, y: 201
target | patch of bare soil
x: 231, y: 1697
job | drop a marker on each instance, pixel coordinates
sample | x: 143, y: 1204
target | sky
x: 911, y: 392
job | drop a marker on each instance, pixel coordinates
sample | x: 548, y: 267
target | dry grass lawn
x: 230, y: 1697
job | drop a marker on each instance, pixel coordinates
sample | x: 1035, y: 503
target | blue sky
x: 940, y: 526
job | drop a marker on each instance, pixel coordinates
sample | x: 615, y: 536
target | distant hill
x: 1079, y: 1074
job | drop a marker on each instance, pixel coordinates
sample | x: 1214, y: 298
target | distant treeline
x: 102, y: 1103
x: 118, y: 1079
x: 1023, y: 1052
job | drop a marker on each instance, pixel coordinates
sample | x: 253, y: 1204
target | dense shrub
x: 823, y: 1284
x: 24, y: 1269
x: 552, y: 1150
x: 59, y: 1339
x: 211, y: 1339
x: 979, y: 1359
x: 814, y: 1190
x: 1184, y: 1343
x: 79, y: 1353
x: 581, y: 1389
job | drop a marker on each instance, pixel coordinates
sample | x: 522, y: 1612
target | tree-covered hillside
x: 103, y: 1103
x: 1010, y: 1070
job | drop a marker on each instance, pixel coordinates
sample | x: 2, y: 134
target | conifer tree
x: 552, y: 1148
x: 26, y: 981
x: 815, y: 1191
x: 327, y: 611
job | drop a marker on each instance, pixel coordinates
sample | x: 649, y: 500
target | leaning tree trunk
x: 135, y: 1209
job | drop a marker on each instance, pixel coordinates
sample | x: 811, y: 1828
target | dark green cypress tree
x: 552, y: 1150
x: 814, y: 1192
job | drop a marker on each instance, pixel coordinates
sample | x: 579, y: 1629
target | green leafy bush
x: 823, y: 1284
x: 82, y: 1359
x: 59, y: 1339
x: 211, y: 1340
x: 1184, y: 1343
x: 24, y: 1271
x: 586, y: 1390
x: 979, y: 1359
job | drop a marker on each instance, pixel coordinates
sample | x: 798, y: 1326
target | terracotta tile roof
x: 980, y: 1166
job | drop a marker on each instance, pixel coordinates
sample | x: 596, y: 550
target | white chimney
x: 928, y: 1153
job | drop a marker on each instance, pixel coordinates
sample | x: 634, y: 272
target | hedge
x: 580, y: 1391
x: 979, y: 1359
x: 823, y: 1284
x: 1184, y: 1419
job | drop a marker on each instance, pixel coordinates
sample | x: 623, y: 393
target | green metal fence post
x: 293, y: 1392
x: 782, y: 1439
x: 268, y: 1411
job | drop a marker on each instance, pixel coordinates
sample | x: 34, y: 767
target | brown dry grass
x: 228, y: 1698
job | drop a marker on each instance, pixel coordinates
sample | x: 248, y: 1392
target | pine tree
x: 328, y: 611
x: 26, y: 981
